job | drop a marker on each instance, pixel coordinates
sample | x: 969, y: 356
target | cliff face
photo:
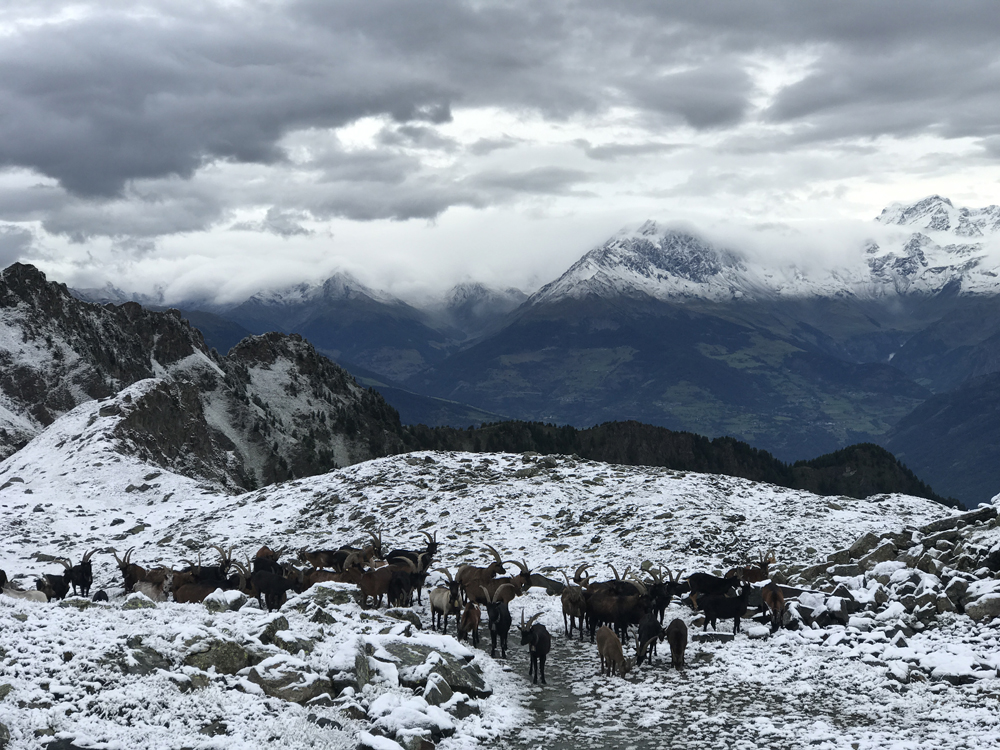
x: 273, y: 409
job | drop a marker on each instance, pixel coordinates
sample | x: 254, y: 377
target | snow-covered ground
x: 73, y: 489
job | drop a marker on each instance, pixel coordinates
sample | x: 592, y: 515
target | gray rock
x: 293, y: 644
x: 437, y: 690
x: 944, y: 604
x: 356, y: 678
x: 929, y: 564
x: 956, y: 589
x: 840, y: 557
x: 465, y: 678
x: 322, y: 617
x: 405, y: 614
x: 909, y: 601
x: 76, y: 602
x: 902, y: 539
x: 144, y: 660
x: 864, y: 545
x: 295, y: 685
x: 4, y: 736
x: 227, y: 601
x: 138, y: 601
x: 228, y: 657
x: 5, y: 690
x: 462, y: 706
x: 984, y: 513
x: 984, y: 608
x: 848, y: 571
x: 275, y: 624
x: 712, y: 637
x: 416, y: 740
x: 882, y: 553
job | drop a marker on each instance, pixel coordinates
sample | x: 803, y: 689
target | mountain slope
x: 272, y: 409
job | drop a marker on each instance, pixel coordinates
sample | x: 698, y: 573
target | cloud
x: 15, y: 241
x: 276, y: 221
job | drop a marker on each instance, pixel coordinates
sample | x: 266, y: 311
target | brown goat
x: 677, y: 637
x: 574, y: 607
x: 469, y: 624
x: 609, y: 648
x: 472, y: 577
x: 774, y: 600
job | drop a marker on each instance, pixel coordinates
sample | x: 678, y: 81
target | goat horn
x: 670, y: 574
x: 87, y: 556
x: 496, y: 555
x: 521, y: 565
x: 65, y: 563
x: 239, y: 566
x: 501, y: 588
x: 429, y: 537
x: 128, y: 555
x: 222, y: 553
x: 656, y: 575
x: 486, y: 593
x: 641, y: 585
x: 579, y: 571
x: 446, y: 572
x: 566, y: 577
x: 522, y: 618
x: 531, y: 620
x: 617, y: 577
x: 121, y: 563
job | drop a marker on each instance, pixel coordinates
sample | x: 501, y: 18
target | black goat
x: 421, y: 560
x: 539, y: 643
x: 717, y: 607
x: 705, y: 583
x: 54, y: 586
x: 81, y: 575
x: 500, y: 621
x: 677, y: 637
x: 650, y: 631
x: 101, y: 596
x: 619, y: 611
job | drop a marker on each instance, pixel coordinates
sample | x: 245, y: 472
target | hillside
x: 822, y: 685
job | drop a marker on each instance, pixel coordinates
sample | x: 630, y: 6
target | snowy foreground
x: 110, y: 676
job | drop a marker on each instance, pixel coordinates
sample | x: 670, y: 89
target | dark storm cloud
x: 104, y: 101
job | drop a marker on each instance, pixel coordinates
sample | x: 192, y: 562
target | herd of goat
x: 605, y: 609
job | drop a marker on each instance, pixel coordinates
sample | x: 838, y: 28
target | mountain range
x: 661, y: 326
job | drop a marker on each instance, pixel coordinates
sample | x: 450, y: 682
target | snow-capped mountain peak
x: 937, y: 214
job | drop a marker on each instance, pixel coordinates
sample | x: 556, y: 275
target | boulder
x: 985, y: 608
x: 981, y: 514
x: 4, y: 736
x: 225, y: 601
x: 882, y: 553
x: 840, y: 557
x: 437, y: 690
x: 351, y: 670
x: 864, y: 545
x: 405, y: 614
x: 293, y: 644
x: 846, y: 571
x: 138, y: 601
x: 227, y: 657
x: 956, y: 589
x: 275, y: 624
x: 285, y: 677
x: 944, y: 604
x: 144, y: 660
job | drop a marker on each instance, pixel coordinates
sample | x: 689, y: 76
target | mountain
x: 474, y: 308
x: 350, y: 323
x: 953, y: 440
x: 273, y: 408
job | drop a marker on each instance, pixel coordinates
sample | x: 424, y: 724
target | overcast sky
x: 215, y: 148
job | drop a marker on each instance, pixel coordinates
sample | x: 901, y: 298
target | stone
x: 76, y: 602
x: 929, y: 564
x: 144, y: 660
x: 138, y: 601
x: 293, y: 644
x: 863, y: 546
x: 225, y: 601
x: 882, y: 553
x: 465, y: 678
x: 356, y: 678
x: 846, y: 571
x: 462, y: 706
x: 322, y: 617
x: 274, y: 624
x: 956, y: 589
x: 712, y: 637
x: 984, y: 608
x: 944, y: 604
x: 4, y: 736
x: 405, y: 614
x: 227, y: 657
x: 982, y: 514
x: 5, y: 690
x: 840, y: 557
x: 289, y: 679
x: 437, y: 690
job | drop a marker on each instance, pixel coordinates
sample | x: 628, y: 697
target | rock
x: 227, y: 657
x: 984, y: 513
x: 293, y: 644
x: 846, y: 571
x: 275, y: 624
x: 5, y: 690
x: 956, y: 589
x: 144, y: 660
x: 214, y: 729
x: 882, y: 553
x: 328, y: 593
x: 984, y: 608
x: 462, y: 706
x: 863, y: 546
x: 138, y: 601
x: 944, y: 604
x: 465, y: 678
x: 813, y: 572
x: 405, y: 614
x: 355, y: 676
x: 713, y: 637
x: 368, y: 741
x: 840, y: 557
x: 929, y: 564
x: 416, y: 740
x: 437, y: 690
x: 225, y: 601
x: 288, y: 678
x: 898, y: 671
x: 322, y: 617
x: 4, y: 736
x: 902, y: 539
x: 76, y: 602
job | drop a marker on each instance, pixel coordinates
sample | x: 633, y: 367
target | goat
x: 266, y: 560
x: 100, y: 596
x: 28, y: 596
x: 211, y: 573
x: 473, y: 578
x: 131, y: 572
x: 375, y: 582
x: 3, y: 579
x: 469, y: 624
x: 607, y: 607
x: 718, y: 607
x: 706, y: 583
x: 754, y: 572
x: 650, y: 631
x: 500, y: 621
x: 53, y: 585
x: 81, y: 575
x: 539, y: 643
x: 677, y: 637
x: 609, y: 648
x: 444, y: 600
x: 337, y: 559
x: 662, y: 592
x: 153, y: 591
x: 420, y: 560
x: 574, y: 607
x: 774, y: 600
